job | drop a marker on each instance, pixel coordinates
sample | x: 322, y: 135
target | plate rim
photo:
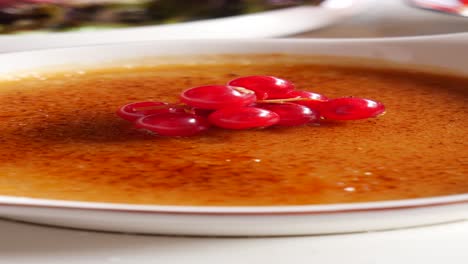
x: 359, y: 207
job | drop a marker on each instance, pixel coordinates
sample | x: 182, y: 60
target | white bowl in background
x: 274, y: 23
x: 446, y: 52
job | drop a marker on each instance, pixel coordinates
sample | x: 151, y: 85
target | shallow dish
x: 445, y: 53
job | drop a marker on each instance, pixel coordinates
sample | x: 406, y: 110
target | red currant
x: 315, y: 101
x: 291, y: 114
x: 265, y: 87
x: 351, y: 108
x: 235, y: 106
x: 243, y: 118
x: 174, y: 124
x: 133, y: 111
x: 217, y: 96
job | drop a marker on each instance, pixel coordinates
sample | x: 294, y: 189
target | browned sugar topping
x: 60, y: 139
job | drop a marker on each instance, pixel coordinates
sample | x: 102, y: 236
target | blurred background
x: 31, y: 24
x: 54, y: 15
x: 19, y: 16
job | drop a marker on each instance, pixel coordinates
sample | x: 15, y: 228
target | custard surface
x: 60, y: 139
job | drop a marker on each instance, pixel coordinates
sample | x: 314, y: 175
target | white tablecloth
x: 23, y: 243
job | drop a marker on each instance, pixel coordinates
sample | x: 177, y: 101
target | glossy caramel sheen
x: 60, y: 139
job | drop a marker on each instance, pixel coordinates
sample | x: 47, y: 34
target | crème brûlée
x: 61, y: 139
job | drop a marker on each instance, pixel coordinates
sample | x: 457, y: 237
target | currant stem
x: 243, y: 90
x: 268, y: 101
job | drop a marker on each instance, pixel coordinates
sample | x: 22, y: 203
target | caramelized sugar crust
x: 60, y: 139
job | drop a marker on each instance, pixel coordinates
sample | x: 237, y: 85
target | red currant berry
x: 217, y: 97
x: 265, y: 87
x: 315, y: 100
x: 243, y: 118
x: 291, y: 114
x: 174, y: 124
x: 351, y: 108
x: 133, y: 111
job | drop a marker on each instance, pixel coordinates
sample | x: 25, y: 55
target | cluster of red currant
x: 245, y: 102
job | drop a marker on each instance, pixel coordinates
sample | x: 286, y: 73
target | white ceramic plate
x: 265, y: 24
x: 448, y: 52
